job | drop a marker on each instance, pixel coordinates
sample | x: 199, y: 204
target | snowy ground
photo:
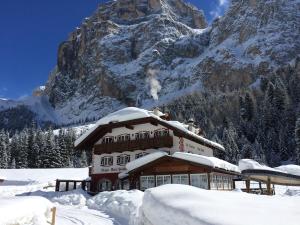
x: 169, y: 204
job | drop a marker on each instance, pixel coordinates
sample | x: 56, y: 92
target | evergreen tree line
x: 261, y: 121
x: 35, y: 148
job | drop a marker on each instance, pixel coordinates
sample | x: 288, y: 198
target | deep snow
x: 168, y: 204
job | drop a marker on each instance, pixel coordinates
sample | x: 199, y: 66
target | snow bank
x: 121, y: 204
x: 144, y: 160
x: 75, y: 197
x: 291, y: 169
x: 25, y: 211
x: 180, y: 204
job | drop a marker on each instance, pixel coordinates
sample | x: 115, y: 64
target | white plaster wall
x: 97, y: 168
x: 189, y: 146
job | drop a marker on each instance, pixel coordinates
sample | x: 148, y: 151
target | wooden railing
x: 141, y: 144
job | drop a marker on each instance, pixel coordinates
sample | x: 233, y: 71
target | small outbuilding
x: 180, y: 168
x: 284, y: 175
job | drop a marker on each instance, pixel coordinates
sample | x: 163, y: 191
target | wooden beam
x: 248, y: 186
x: 154, y: 123
x: 57, y: 185
x: 67, y: 185
x: 208, y: 181
x: 269, y: 186
x: 130, y: 127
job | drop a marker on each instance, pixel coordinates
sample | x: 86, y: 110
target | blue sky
x: 31, y: 31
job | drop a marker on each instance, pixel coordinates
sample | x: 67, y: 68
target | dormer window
x: 108, y: 139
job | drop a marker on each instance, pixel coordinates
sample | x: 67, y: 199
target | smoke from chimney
x: 154, y: 83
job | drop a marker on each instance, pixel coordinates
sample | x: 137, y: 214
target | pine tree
x: 83, y: 160
x: 32, y: 154
x: 3, y: 150
x: 297, y: 139
x: 64, y: 153
x: 229, y: 142
x: 22, y: 150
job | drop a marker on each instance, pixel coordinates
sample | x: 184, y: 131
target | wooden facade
x: 168, y: 165
x: 131, y: 145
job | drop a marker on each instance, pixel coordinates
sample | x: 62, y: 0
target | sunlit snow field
x: 27, y: 196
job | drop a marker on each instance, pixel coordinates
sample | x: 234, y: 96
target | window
x: 123, y: 159
x: 108, y: 139
x: 226, y: 182
x: 141, y: 154
x: 161, y: 133
x: 180, y: 179
x: 199, y: 180
x: 104, y: 185
x: 147, y: 182
x: 163, y: 179
x: 106, y: 161
x: 123, y: 137
x: 213, y: 182
x: 142, y: 135
x: 220, y: 182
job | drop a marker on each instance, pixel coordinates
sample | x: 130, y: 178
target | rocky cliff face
x: 105, y: 63
x: 128, y: 51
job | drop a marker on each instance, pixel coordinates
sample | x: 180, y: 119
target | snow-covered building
x: 155, y: 169
x: 131, y: 133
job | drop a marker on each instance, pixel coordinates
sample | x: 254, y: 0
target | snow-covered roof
x: 249, y: 164
x: 291, y: 169
x: 208, y: 161
x: 2, y: 177
x: 144, y: 160
x: 200, y: 159
x: 125, y: 114
x: 132, y: 113
x: 184, y: 128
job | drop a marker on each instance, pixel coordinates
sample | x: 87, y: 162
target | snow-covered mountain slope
x: 39, y: 105
x: 148, y: 52
x: 132, y: 52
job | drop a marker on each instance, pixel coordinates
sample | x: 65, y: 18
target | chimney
x: 156, y: 111
x: 191, y: 123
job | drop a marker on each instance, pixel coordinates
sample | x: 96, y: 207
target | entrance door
x: 104, y: 185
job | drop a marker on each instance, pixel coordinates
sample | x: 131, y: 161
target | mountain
x: 238, y: 77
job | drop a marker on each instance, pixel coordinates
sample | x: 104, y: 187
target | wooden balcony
x: 132, y: 145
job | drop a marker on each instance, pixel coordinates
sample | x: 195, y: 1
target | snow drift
x: 25, y: 211
x: 180, y: 204
x: 121, y: 204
